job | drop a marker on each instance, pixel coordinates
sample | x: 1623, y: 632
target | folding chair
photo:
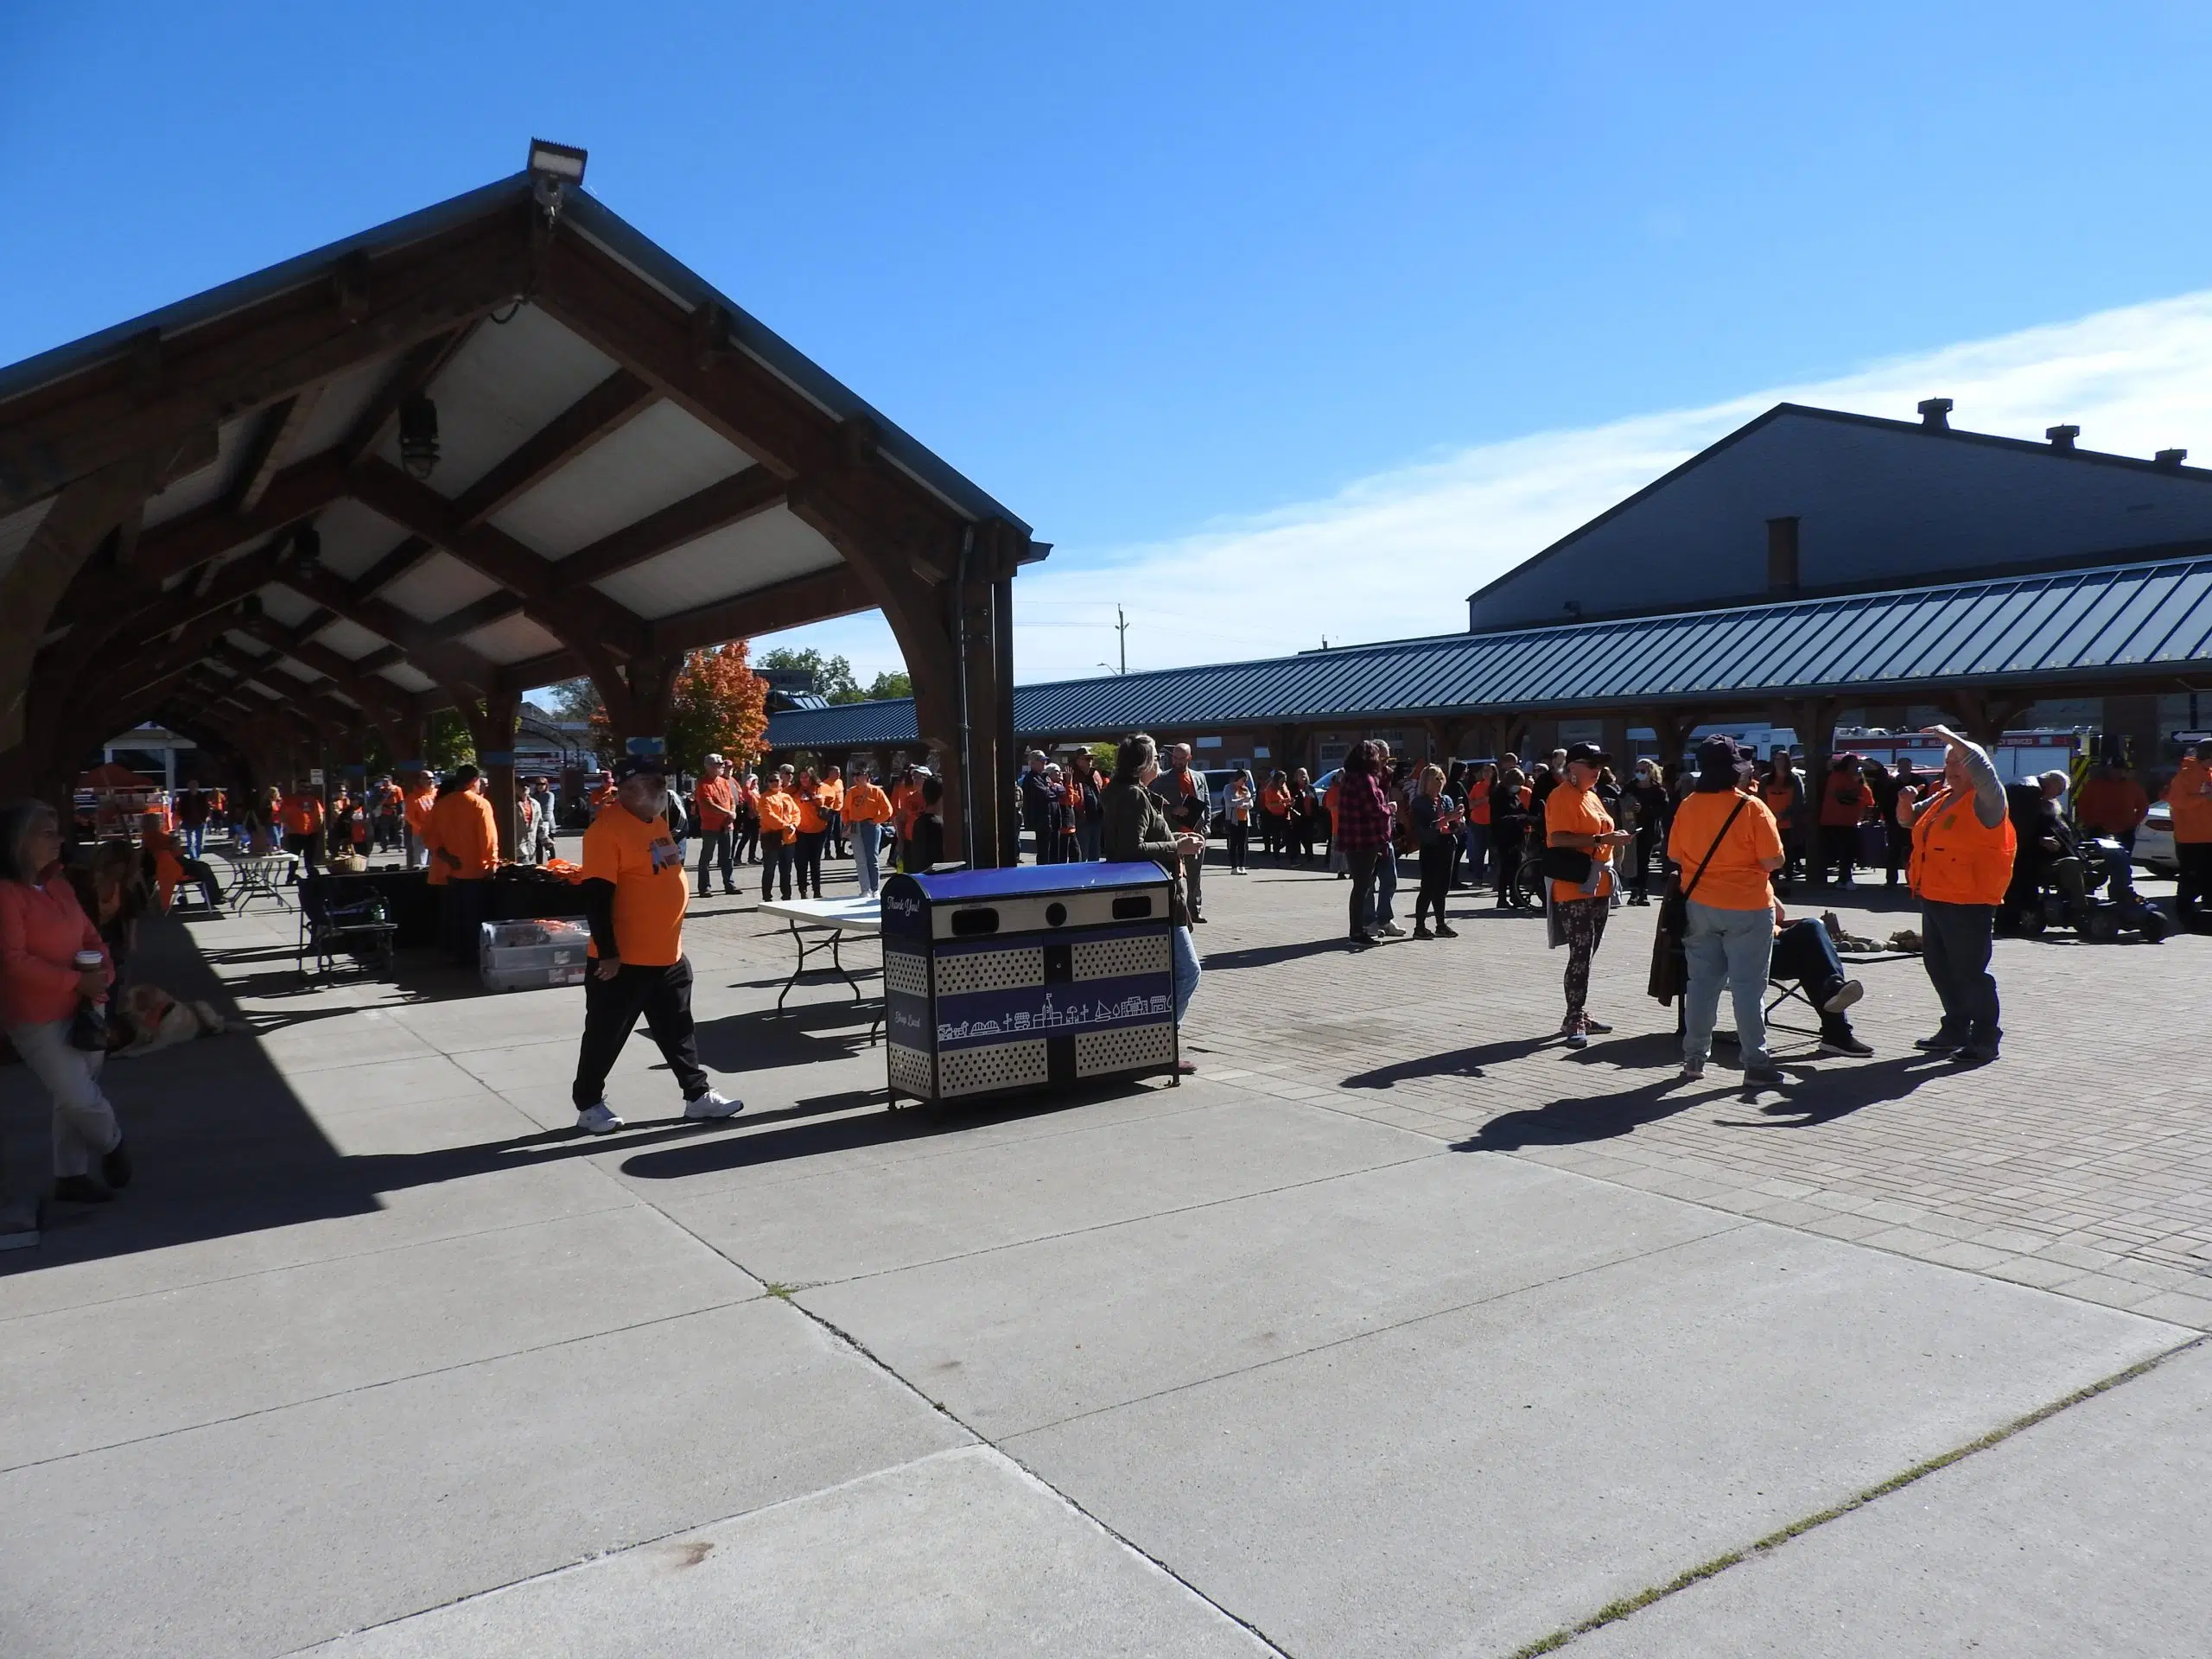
x: 328, y: 931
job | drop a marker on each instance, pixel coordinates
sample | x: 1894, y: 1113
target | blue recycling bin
x: 1040, y: 976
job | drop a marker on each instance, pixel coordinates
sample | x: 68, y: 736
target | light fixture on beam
x: 553, y: 170
x: 418, y: 436
x: 306, y: 550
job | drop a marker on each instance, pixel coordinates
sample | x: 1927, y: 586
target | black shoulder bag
x: 1670, y: 967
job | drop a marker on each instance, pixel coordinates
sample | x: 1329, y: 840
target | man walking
x: 1963, y: 851
x: 634, y: 895
x: 714, y: 802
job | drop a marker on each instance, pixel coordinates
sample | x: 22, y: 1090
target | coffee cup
x: 88, y: 960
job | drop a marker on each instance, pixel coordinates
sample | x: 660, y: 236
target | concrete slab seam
x: 1613, y: 1611
x: 630, y: 1200
x: 527, y: 1578
x: 381, y: 1382
x: 1274, y: 1360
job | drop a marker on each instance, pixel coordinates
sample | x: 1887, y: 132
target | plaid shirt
x: 1362, y: 817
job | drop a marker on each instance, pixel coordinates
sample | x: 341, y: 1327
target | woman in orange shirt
x: 1728, y: 846
x: 830, y: 795
x: 779, y: 814
x: 1575, y: 820
x: 813, y: 826
x: 867, y: 809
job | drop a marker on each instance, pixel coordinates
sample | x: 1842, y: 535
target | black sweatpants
x: 1435, y: 881
x: 611, y: 1011
x: 1954, y: 949
x: 2193, y: 882
x: 463, y: 908
x: 807, y: 858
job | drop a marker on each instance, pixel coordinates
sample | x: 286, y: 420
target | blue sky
x: 1152, y: 274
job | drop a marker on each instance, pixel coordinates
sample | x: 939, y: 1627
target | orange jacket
x: 463, y: 827
x: 1956, y: 858
x: 866, y: 804
x: 780, y: 815
x: 2111, y: 805
x: 2191, y: 806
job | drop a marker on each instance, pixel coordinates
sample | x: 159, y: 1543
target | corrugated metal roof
x: 2114, y: 621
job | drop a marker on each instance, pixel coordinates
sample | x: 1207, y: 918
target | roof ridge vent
x: 2062, y: 438
x: 1935, y: 413
x: 2170, y: 459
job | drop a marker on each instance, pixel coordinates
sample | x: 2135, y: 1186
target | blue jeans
x: 1730, y: 947
x: 196, y: 837
x: 868, y: 844
x: 1186, y: 971
x: 1386, y: 885
x: 1477, y: 836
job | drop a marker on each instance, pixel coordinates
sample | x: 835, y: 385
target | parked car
x: 2154, y: 841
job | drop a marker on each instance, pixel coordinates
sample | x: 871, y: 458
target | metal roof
x: 2065, y: 627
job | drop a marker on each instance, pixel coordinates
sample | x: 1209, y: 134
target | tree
x: 833, y: 676
x: 890, y: 684
x: 575, y: 700
x: 717, y: 706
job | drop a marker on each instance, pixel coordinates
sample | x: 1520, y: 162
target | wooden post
x: 491, y: 726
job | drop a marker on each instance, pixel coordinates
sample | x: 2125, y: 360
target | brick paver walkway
x: 2082, y: 1161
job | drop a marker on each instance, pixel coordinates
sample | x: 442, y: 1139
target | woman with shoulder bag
x: 55, y: 974
x: 1579, y: 840
x: 1136, y: 831
x: 1728, y: 847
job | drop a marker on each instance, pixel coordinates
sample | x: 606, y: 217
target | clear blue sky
x: 1133, y: 266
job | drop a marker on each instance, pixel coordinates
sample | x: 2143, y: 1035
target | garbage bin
x: 1045, y: 975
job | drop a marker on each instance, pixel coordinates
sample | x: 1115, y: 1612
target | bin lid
x: 967, y: 887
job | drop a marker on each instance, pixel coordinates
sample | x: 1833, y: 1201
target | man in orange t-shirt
x: 299, y: 817
x: 779, y: 818
x: 831, y: 793
x: 1845, y: 801
x: 421, y: 799
x: 465, y: 842
x: 633, y: 893
x: 1727, y: 845
x: 2188, y: 797
x: 715, y: 801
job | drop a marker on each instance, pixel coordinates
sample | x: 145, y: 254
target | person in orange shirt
x: 1845, y: 801
x: 633, y: 893
x: 422, y: 799
x: 1275, y: 816
x: 812, y: 828
x: 745, y: 838
x: 1728, y: 846
x: 299, y: 816
x: 831, y: 793
x: 714, y: 800
x: 2188, y: 797
x: 779, y: 818
x: 1963, y: 844
x: 465, y: 842
x: 905, y: 804
x: 2111, y: 803
x: 867, y: 809
x: 1575, y: 820
x: 1481, y: 778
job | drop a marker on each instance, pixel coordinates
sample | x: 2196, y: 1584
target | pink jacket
x: 41, y: 928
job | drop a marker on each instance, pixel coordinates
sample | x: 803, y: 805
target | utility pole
x: 1122, y: 627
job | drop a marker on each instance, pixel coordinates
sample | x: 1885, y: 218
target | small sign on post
x: 643, y: 746
x: 315, y: 775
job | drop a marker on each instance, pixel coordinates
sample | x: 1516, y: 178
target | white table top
x: 855, y: 915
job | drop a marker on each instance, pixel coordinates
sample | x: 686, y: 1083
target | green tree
x: 576, y: 699
x: 889, y: 683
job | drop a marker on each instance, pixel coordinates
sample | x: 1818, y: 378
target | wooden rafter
x: 719, y: 506
x: 450, y: 664
x: 606, y: 409
x: 269, y: 447
x: 409, y: 556
x: 419, y: 366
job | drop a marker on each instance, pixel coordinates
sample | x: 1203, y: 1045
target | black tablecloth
x: 411, y: 903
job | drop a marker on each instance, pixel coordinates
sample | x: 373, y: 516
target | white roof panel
x: 438, y: 587
x: 501, y: 386
x: 766, y: 549
x: 407, y: 677
x: 345, y: 397
x: 510, y: 639
x: 198, y: 489
x: 353, y: 538
x: 659, y: 458
x: 349, y: 639
x: 282, y: 604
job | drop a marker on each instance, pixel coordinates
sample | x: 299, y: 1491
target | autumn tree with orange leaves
x: 717, y: 706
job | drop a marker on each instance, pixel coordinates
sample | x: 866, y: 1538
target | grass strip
x: 1626, y: 1604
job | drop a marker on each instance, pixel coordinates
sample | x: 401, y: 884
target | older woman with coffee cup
x: 55, y: 974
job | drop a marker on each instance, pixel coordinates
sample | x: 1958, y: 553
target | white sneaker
x: 1850, y: 992
x: 713, y: 1104
x: 1392, y: 931
x: 598, y: 1119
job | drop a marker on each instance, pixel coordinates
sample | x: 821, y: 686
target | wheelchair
x: 2061, y: 901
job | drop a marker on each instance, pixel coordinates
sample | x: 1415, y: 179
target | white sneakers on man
x: 713, y: 1104
x: 598, y: 1120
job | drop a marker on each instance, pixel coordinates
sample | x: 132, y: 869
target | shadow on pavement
x: 1822, y: 1097
x: 1264, y: 956
x: 1459, y: 1063
x: 1587, y: 1117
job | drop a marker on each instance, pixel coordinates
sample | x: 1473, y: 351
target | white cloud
x: 1395, y: 555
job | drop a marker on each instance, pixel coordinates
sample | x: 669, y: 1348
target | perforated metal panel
x: 1013, y: 970
x: 1097, y: 1052
x: 909, y: 1069
x: 1004, y: 1065
x: 1116, y: 958
x: 906, y: 973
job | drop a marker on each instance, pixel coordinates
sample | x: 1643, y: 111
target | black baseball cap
x: 1589, y: 755
x: 633, y: 766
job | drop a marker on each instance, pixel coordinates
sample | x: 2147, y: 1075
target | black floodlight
x: 418, y: 436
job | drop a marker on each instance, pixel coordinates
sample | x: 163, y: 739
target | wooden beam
x: 191, y: 538
x: 606, y: 408
x: 449, y: 664
x: 492, y: 607
x: 69, y: 428
x: 816, y: 598
x: 416, y: 368
x: 271, y: 442
x: 582, y: 624
x: 377, y: 695
x: 742, y: 496
x: 408, y: 555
